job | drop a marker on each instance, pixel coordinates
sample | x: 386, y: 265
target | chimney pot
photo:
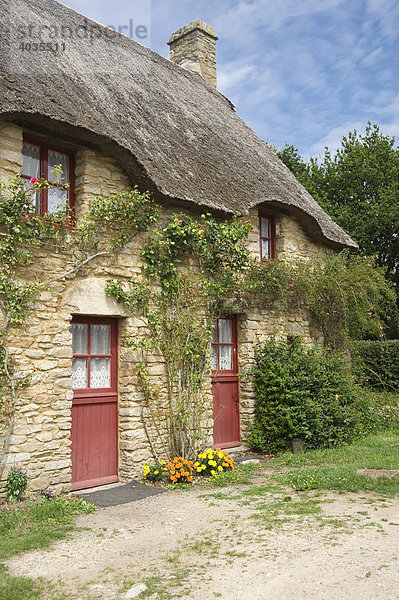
x: 194, y: 47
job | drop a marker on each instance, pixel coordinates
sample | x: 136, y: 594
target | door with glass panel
x: 94, y: 433
x: 226, y: 410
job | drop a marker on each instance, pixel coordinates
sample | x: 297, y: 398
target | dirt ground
x: 229, y: 543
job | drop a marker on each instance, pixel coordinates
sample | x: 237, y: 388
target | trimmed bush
x: 304, y: 392
x: 376, y: 363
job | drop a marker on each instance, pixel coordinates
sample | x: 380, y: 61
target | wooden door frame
x: 230, y: 375
x: 100, y: 395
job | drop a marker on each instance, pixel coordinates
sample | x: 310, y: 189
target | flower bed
x: 210, y: 463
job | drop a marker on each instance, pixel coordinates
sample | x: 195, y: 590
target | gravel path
x: 205, y: 543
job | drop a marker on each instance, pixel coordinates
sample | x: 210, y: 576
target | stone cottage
x: 115, y: 114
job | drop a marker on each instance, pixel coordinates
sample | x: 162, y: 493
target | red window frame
x: 113, y: 355
x: 271, y: 239
x: 43, y: 172
x: 232, y: 344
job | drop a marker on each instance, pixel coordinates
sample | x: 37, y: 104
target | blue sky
x: 301, y: 71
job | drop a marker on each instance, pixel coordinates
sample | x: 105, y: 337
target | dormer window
x: 266, y: 237
x: 39, y: 160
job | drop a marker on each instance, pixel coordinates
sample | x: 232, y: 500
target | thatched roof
x: 170, y: 131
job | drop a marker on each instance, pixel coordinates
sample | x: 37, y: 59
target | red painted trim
x: 79, y: 485
x: 93, y: 398
x: 229, y: 376
x: 226, y: 445
x: 271, y: 239
x: 100, y: 392
x: 43, y: 168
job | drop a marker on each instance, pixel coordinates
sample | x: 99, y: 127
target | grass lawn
x: 25, y: 528
x: 336, y: 468
x: 37, y: 524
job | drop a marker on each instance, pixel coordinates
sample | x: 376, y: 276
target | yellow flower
x: 213, y: 472
x: 220, y: 468
x: 199, y: 469
x: 156, y: 472
x: 220, y: 455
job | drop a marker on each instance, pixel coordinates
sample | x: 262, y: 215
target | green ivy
x: 345, y: 296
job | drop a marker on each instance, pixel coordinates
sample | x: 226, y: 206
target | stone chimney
x: 193, y: 47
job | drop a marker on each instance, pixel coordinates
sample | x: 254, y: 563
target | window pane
x: 30, y: 160
x: 225, y: 357
x: 99, y: 339
x: 33, y: 195
x: 214, y: 358
x: 265, y: 248
x: 79, y: 338
x: 265, y: 227
x: 79, y: 373
x: 225, y: 331
x: 57, y: 199
x: 58, y: 159
x: 100, y: 372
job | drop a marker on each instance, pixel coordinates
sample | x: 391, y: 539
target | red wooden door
x: 94, y: 433
x: 226, y: 410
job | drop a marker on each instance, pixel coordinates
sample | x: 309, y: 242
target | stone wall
x: 10, y: 150
x: 291, y: 241
x: 41, y: 435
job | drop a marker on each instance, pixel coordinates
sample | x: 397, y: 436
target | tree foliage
x: 359, y: 187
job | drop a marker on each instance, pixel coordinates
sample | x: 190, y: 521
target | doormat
x: 120, y: 494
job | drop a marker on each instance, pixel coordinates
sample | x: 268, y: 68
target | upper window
x: 40, y: 160
x: 266, y: 237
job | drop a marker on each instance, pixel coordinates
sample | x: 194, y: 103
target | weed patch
x: 341, y: 478
x: 242, y: 475
x: 37, y: 525
x: 34, y: 526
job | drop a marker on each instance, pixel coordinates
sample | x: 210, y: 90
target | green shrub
x: 376, y: 363
x: 17, y: 482
x: 304, y: 392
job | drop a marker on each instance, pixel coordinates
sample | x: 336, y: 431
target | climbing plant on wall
x: 191, y: 268
x: 109, y: 224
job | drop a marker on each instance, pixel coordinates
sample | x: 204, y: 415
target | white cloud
x: 333, y: 138
x: 371, y: 59
x: 386, y: 13
x: 234, y: 75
